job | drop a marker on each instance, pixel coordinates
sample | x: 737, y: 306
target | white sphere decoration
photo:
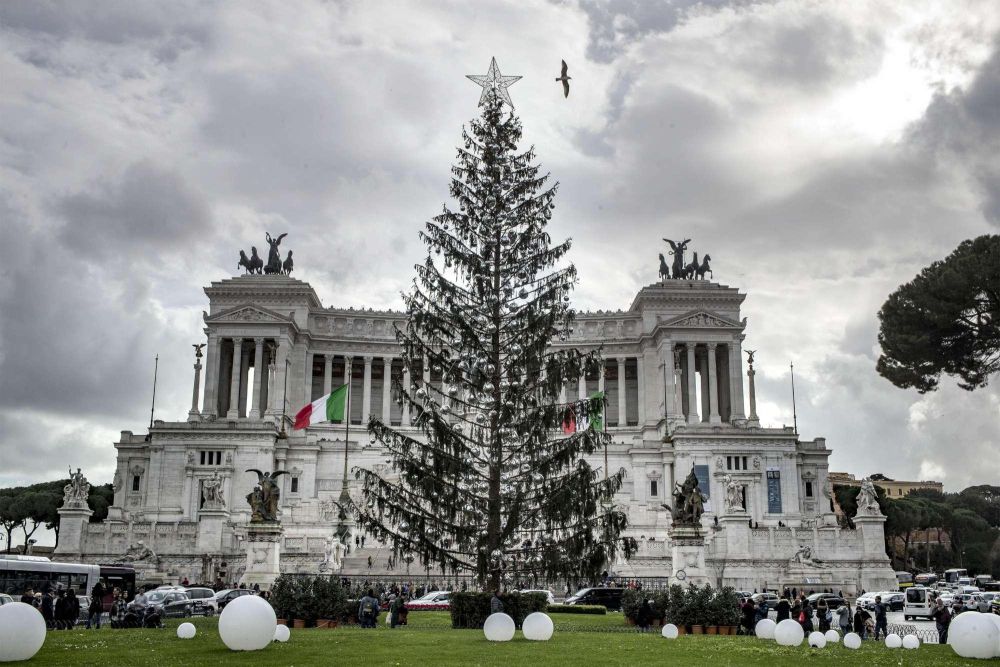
x: 817, y: 639
x: 893, y: 641
x: 537, y: 627
x: 247, y: 624
x: 996, y: 621
x: 765, y: 628
x: 282, y: 633
x: 789, y: 633
x: 832, y: 636
x: 186, y: 631
x: 852, y: 640
x: 499, y: 627
x: 973, y: 635
x: 22, y: 631
x: 911, y: 642
x: 669, y: 631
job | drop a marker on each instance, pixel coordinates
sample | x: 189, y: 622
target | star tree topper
x: 493, y: 83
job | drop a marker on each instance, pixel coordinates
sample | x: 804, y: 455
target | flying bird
x: 565, y: 79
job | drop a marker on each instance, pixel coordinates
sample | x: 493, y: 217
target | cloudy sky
x: 822, y: 152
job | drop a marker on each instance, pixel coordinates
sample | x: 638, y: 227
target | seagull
x: 565, y: 79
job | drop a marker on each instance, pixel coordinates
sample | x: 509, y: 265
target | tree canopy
x: 945, y: 320
x: 27, y: 508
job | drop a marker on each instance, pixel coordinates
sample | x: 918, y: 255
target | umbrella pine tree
x: 492, y: 485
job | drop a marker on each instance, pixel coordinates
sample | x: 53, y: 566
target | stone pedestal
x: 688, y: 555
x: 72, y: 530
x: 263, y: 555
x: 875, y: 573
x: 736, y: 535
x: 210, y: 525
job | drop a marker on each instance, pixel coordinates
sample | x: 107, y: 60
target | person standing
x: 844, y: 617
x: 942, y: 619
x: 822, y: 609
x: 368, y: 610
x: 48, y: 612
x: 784, y: 608
x: 396, y: 610
x: 95, y: 610
x: 881, y: 622
x: 749, y: 614
x: 644, y: 615
x: 496, y: 604
x: 29, y: 596
x: 861, y: 621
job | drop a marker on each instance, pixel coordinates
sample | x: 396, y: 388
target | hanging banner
x: 773, y: 491
x: 701, y: 472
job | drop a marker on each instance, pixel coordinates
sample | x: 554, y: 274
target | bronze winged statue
x: 677, y: 250
x: 264, y: 498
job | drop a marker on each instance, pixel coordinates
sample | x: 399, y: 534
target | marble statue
x: 333, y: 556
x: 139, y: 552
x: 211, y: 492
x: 734, y: 495
x: 76, y: 492
x: 868, y: 500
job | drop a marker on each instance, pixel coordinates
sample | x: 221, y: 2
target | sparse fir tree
x: 498, y: 484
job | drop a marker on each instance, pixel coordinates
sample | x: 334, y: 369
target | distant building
x: 892, y: 488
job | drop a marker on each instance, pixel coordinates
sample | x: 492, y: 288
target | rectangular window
x: 744, y: 463
x: 135, y: 482
x: 809, y: 489
x: 652, y: 488
x: 729, y: 463
x: 295, y: 485
x: 203, y: 457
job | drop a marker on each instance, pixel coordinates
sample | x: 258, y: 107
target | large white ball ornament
x: 186, y: 631
x: 282, y: 633
x: 669, y: 631
x: 537, y: 627
x: 832, y: 636
x: 911, y: 642
x: 789, y: 633
x: 852, y: 640
x: 817, y: 639
x: 893, y: 641
x: 499, y: 627
x: 995, y: 618
x: 764, y: 628
x: 247, y: 624
x: 973, y: 635
x: 22, y: 631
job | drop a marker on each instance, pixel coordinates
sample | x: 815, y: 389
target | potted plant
x: 330, y: 601
x: 725, y: 610
x: 631, y: 600
x: 676, y: 609
x: 693, y: 606
x: 282, y: 598
x: 304, y: 606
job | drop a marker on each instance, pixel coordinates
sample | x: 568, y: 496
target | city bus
x: 904, y: 579
x: 925, y: 579
x: 19, y: 573
x: 953, y: 576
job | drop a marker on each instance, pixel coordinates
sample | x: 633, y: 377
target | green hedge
x: 694, y: 605
x: 596, y: 609
x: 470, y: 610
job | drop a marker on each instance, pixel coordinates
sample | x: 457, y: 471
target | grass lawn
x: 429, y: 640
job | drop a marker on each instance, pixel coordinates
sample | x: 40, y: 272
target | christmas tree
x: 497, y: 484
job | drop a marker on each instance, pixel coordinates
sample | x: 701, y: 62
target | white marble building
x: 677, y: 393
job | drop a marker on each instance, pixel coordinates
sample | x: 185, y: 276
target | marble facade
x: 674, y: 376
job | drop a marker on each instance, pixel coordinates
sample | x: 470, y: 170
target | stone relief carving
x: 211, y: 492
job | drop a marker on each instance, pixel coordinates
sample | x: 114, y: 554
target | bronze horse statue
x: 664, y: 269
x: 287, y: 266
x: 703, y: 268
x: 253, y: 264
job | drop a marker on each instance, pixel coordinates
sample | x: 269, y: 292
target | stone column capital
x: 368, y: 359
x: 258, y: 340
x: 328, y: 357
x: 711, y: 346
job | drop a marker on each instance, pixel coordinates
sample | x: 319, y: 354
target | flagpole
x: 347, y: 423
x: 795, y: 416
x: 152, y: 407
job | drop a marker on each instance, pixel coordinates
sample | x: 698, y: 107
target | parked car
x: 771, y: 599
x: 5, y: 599
x: 169, y: 603
x: 611, y: 598
x: 551, y: 599
x: 918, y: 603
x: 864, y: 600
x: 224, y: 597
x: 435, y: 600
x: 971, y: 601
x: 989, y: 599
x: 832, y: 599
x: 204, y: 600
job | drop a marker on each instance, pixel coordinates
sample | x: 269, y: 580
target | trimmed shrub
x: 282, y: 596
x: 595, y: 609
x: 470, y: 610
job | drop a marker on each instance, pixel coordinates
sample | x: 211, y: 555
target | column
x: 234, y: 388
x: 640, y: 380
x: 622, y: 404
x: 405, y: 417
x: 562, y: 392
x: 212, y: 362
x: 278, y: 395
x: 307, y: 376
x: 193, y: 414
x: 425, y: 366
x: 722, y: 376
x: 258, y: 376
x: 581, y: 386
x: 736, y: 379
x: 600, y: 378
x: 386, y: 390
x: 366, y: 401
x: 678, y: 384
x: 692, y: 388
x: 703, y: 371
x: 668, y: 378
x: 347, y: 369
x: 753, y: 419
x: 713, y: 387
x: 327, y: 374
x: 244, y: 380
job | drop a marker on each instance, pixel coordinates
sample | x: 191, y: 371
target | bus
x: 952, y: 576
x: 19, y: 573
x: 925, y: 579
x: 904, y: 579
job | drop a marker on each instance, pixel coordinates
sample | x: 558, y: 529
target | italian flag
x: 331, y: 407
x: 576, y: 418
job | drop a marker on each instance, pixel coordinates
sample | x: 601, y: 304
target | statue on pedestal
x: 211, y: 492
x: 868, y: 500
x: 734, y: 495
x: 263, y: 500
x: 76, y: 492
x: 689, y: 503
x: 333, y: 556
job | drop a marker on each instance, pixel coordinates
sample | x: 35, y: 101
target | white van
x: 917, y: 603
